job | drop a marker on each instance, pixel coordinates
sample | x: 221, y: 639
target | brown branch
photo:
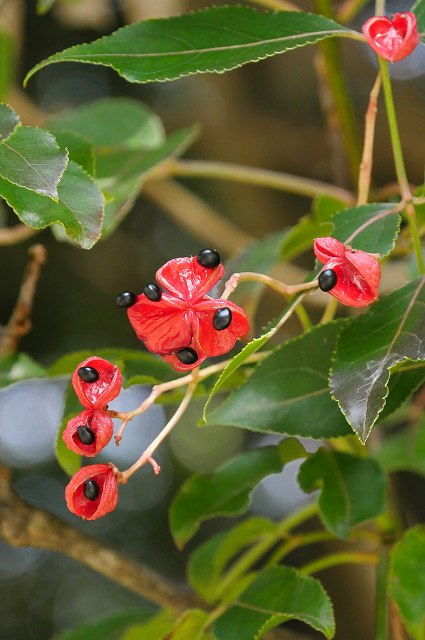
x: 20, y: 324
x: 15, y: 234
x: 24, y: 526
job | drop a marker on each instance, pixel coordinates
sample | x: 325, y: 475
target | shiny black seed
x: 222, y: 318
x: 153, y: 292
x: 88, y: 374
x: 208, y: 258
x: 125, y: 299
x: 327, y: 279
x: 187, y: 356
x: 85, y: 434
x: 91, y: 489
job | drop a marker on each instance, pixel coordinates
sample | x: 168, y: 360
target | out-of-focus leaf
x: 401, y: 386
x: 121, y: 173
x: 190, y: 626
x: 352, y: 489
x: 79, y: 208
x: 9, y: 120
x: 6, y: 63
x: 392, y: 331
x: 404, y: 451
x: 276, y: 596
x: 80, y: 150
x: 370, y: 227
x: 67, y: 459
x: 301, y: 236
x: 43, y: 6
x: 157, y: 627
x: 225, y: 492
x: 325, y: 206
x: 419, y: 10
x: 408, y: 580
x: 288, y: 392
x: 31, y: 158
x: 214, y: 39
x: 113, y: 122
x: 19, y: 366
x: 110, y: 629
x: 208, y: 561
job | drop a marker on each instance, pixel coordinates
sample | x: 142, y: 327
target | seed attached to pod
x: 187, y: 356
x: 208, y: 258
x: 85, y: 434
x: 153, y: 292
x: 88, y: 374
x: 126, y: 299
x: 327, y: 279
x: 222, y: 318
x: 91, y: 489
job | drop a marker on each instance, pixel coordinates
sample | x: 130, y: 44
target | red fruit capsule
x: 183, y: 324
x: 92, y: 492
x: 357, y: 273
x: 96, y: 382
x: 88, y: 433
x: 392, y: 38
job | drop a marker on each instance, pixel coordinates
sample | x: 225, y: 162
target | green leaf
x: 276, y: 596
x: 80, y: 150
x: 109, y: 629
x: 401, y: 386
x: 31, y: 158
x: 352, y: 489
x: 392, y: 331
x: 15, y: 367
x: 9, y: 120
x: 6, y: 63
x: 132, y: 363
x: 79, y: 208
x: 113, y: 122
x: 325, y: 206
x: 156, y: 628
x: 288, y: 391
x: 121, y: 173
x: 419, y: 10
x: 69, y: 461
x: 370, y: 227
x: 301, y: 236
x: 190, y: 625
x: 214, y: 39
x: 408, y: 580
x: 224, y: 493
x: 404, y: 451
x: 209, y: 560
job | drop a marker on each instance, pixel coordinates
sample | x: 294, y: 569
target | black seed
x: 91, y: 489
x: 85, y: 434
x: 208, y: 258
x: 222, y: 318
x: 327, y: 279
x: 187, y: 356
x: 153, y: 292
x: 125, y: 299
x: 88, y: 374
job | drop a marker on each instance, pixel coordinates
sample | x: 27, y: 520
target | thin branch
x: 194, y: 215
x: 20, y: 323
x: 15, y: 234
x: 369, y: 137
x: 259, y: 177
x: 24, y: 526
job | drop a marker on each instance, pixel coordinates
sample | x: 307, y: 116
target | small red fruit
x: 88, y: 433
x: 392, y: 38
x: 92, y: 492
x: 96, y: 382
x: 356, y: 274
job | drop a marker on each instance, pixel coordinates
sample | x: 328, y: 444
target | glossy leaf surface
x: 404, y: 451
x: 225, y: 492
x: 352, y: 489
x: 277, y: 595
x: 214, y: 39
x: 392, y: 331
x: 288, y: 391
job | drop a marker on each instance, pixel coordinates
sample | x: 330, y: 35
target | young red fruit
x: 178, y: 321
x: 356, y: 274
x: 392, y: 38
x: 88, y: 433
x: 96, y: 382
x: 92, y: 492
